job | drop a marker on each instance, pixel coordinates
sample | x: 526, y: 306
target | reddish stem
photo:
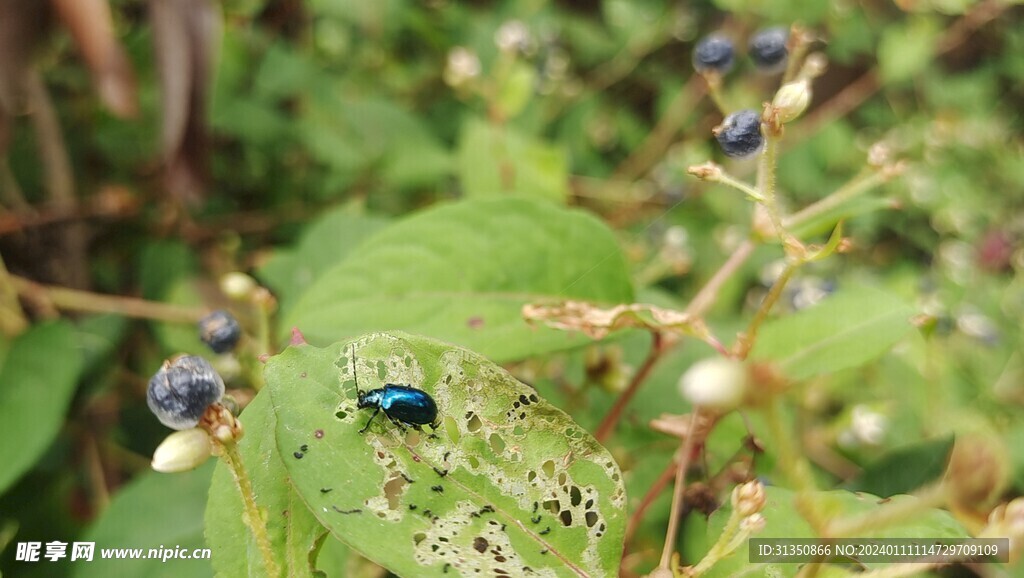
x: 658, y: 346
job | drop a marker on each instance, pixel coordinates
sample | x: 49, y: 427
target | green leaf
x: 905, y: 51
x: 324, y: 244
x: 904, y: 469
x: 462, y: 272
x: 292, y: 530
x: 849, y: 328
x: 154, y: 511
x: 525, y: 486
x: 37, y: 380
x: 495, y: 160
x: 517, y: 89
x: 783, y: 520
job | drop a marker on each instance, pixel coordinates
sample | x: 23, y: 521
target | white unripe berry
x: 716, y: 383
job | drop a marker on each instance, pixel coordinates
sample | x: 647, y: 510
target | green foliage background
x: 369, y: 194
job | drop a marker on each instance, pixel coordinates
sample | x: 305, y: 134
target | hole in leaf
x: 474, y: 424
x: 480, y: 544
x: 589, y: 504
x: 533, y: 398
x: 549, y: 468
x: 473, y: 463
x: 591, y: 518
x: 341, y: 414
x: 497, y: 444
x: 393, y: 491
x: 452, y: 430
x: 566, y: 517
x: 553, y: 506
x: 519, y: 431
x: 562, y: 479
x: 575, y: 497
x: 532, y: 475
x: 418, y: 537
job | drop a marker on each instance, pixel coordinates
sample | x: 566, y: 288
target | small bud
x: 717, y: 383
x: 749, y: 498
x: 182, y: 451
x: 237, y: 285
x: 708, y: 171
x: 512, y: 36
x: 791, y: 100
x: 463, y: 66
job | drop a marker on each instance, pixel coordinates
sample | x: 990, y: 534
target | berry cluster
x: 767, y: 49
x: 740, y: 134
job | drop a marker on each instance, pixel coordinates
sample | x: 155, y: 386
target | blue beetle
x: 402, y: 404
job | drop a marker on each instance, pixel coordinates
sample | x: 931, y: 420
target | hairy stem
x: 252, y: 517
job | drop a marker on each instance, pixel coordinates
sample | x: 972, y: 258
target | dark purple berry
x: 768, y: 48
x: 713, y: 53
x: 220, y: 331
x: 182, y: 390
x: 739, y: 135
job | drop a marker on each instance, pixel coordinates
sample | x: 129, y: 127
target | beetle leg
x: 375, y: 412
x: 398, y: 422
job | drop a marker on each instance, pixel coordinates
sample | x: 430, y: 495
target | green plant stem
x: 747, y: 339
x: 705, y: 298
x: 721, y: 547
x: 252, y: 517
x: 76, y: 300
x: 857, y: 186
x: 679, y: 492
x: 766, y: 184
x: 730, y: 181
x: 659, y: 344
x: 12, y: 318
x: 793, y: 465
x: 654, y: 145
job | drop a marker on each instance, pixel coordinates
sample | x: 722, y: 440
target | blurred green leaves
x: 462, y: 272
x: 38, y: 376
x: 851, y: 327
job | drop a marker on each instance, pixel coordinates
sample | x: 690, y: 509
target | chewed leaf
x: 510, y: 485
x: 597, y: 323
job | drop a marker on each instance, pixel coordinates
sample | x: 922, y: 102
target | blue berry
x: 220, y: 331
x: 768, y: 48
x: 739, y: 135
x: 182, y: 390
x: 713, y: 53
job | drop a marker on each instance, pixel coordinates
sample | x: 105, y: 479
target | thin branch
x: 77, y: 300
x: 678, y: 494
x: 659, y: 344
x: 705, y: 298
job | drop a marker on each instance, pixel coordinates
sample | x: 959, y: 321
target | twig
x: 76, y: 300
x: 705, y: 298
x: 659, y: 344
x: 678, y: 494
x: 12, y: 318
x: 647, y: 154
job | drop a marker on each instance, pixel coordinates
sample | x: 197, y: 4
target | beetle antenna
x: 355, y: 374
